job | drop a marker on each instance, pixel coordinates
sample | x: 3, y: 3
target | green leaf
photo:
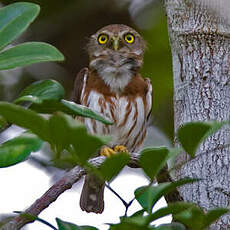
x: 3, y: 122
x: 152, y: 160
x: 127, y: 226
x: 192, y: 218
x: 18, y: 149
x: 172, y: 208
x: 138, y: 220
x: 64, y: 131
x: 172, y: 226
x: 25, y: 118
x: 113, y: 165
x: 195, y: 218
x: 213, y: 215
x: 138, y: 213
x: 27, y: 54
x: 42, y: 90
x: 70, y: 108
x: 191, y: 134
x: 63, y: 225
x: 14, y: 19
x: 84, y: 111
x: 60, y: 124
x: 147, y: 196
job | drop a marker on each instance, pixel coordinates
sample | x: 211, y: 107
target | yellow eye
x: 102, y: 39
x: 129, y: 38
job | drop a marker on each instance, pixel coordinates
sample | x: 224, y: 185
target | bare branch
x: 65, y: 183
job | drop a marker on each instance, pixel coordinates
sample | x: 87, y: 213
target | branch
x: 65, y: 183
x: 164, y: 176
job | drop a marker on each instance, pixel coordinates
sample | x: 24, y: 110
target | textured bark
x: 200, y: 43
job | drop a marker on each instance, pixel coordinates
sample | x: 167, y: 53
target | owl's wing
x: 149, y: 96
x: 79, y: 85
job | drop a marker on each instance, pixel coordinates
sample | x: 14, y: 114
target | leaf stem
x: 46, y: 223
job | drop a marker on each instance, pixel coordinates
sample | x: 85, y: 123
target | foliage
x: 75, y: 141
x: 14, y: 20
x: 47, y: 97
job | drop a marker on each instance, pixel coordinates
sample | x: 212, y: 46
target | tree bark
x: 200, y: 43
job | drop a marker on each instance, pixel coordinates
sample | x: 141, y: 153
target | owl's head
x: 116, y: 51
x: 116, y: 38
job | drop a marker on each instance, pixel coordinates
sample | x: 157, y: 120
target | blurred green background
x: 68, y: 25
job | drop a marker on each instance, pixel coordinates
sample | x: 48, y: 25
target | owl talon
x: 121, y: 149
x: 107, y: 152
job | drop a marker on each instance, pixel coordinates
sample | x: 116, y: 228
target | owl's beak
x: 115, y: 43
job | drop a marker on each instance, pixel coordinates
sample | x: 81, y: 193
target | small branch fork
x: 65, y: 183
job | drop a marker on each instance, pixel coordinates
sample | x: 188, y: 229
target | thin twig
x: 46, y: 223
x: 116, y: 194
x: 128, y: 205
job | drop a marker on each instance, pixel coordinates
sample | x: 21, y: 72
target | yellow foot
x: 107, y: 152
x: 121, y: 149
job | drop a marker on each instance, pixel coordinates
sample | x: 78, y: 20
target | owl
x: 113, y: 86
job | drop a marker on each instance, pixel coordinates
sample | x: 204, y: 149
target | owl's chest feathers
x: 128, y: 115
x: 127, y: 110
x: 115, y: 105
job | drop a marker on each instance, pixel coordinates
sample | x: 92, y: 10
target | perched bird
x: 113, y: 86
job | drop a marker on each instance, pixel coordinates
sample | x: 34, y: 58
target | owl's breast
x: 128, y: 115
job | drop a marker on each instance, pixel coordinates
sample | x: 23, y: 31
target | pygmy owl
x: 113, y: 86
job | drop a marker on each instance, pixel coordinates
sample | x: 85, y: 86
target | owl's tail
x: 92, y: 195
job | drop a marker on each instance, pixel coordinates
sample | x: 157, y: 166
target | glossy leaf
x: 61, y: 127
x: 18, y: 149
x: 127, y: 225
x: 63, y: 225
x: 152, y: 160
x: 213, y: 215
x: 42, y: 90
x: 25, y: 118
x: 14, y: 19
x: 172, y: 208
x: 138, y: 213
x: 136, y: 220
x: 191, y: 134
x: 64, y: 131
x: 70, y: 108
x: 28, y: 53
x: 84, y: 111
x: 113, y: 165
x: 192, y: 218
x: 172, y: 226
x: 147, y: 196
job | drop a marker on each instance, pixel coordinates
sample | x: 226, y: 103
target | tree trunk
x: 200, y: 42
